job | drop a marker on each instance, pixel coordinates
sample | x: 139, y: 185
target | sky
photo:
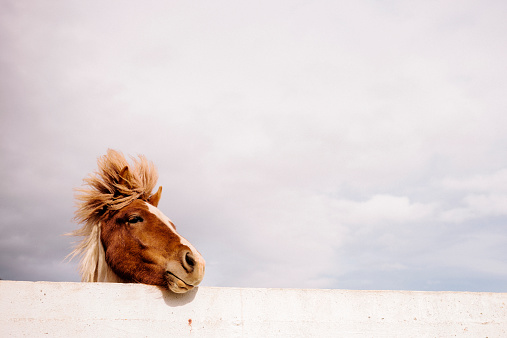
x: 300, y: 144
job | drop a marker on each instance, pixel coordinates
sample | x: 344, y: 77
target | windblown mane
x: 108, y: 189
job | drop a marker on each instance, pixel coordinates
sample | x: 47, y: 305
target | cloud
x: 487, y: 205
x: 383, y: 208
x: 494, y: 182
x: 477, y: 206
x: 299, y: 145
x: 482, y: 195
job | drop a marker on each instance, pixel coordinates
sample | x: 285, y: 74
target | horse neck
x: 94, y: 267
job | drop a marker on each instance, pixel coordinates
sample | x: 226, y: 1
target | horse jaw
x: 93, y: 264
x: 104, y: 272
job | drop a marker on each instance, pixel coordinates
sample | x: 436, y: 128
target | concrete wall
x: 42, y: 309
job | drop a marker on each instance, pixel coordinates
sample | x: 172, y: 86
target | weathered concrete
x: 38, y: 309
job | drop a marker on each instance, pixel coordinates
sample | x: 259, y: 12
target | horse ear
x: 125, y: 177
x: 153, y: 200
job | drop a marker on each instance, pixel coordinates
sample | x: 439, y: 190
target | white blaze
x: 168, y: 222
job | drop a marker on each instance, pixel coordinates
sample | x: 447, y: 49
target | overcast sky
x: 305, y: 144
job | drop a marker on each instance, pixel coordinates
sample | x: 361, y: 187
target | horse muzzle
x: 185, y: 273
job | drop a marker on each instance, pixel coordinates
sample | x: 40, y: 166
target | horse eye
x: 135, y: 219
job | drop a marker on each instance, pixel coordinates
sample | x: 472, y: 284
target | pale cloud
x: 290, y: 234
x: 495, y: 182
x: 487, y: 204
x: 481, y: 196
x: 457, y: 215
x: 381, y: 209
x: 316, y: 144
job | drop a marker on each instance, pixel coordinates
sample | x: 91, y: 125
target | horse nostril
x: 189, y: 261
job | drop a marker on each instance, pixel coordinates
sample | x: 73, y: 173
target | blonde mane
x: 108, y: 189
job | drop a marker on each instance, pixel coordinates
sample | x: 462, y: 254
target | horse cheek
x: 119, y: 256
x: 152, y: 274
x: 122, y: 265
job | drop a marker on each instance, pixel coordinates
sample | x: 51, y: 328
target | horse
x: 125, y: 237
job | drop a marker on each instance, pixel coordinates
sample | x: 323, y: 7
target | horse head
x: 127, y: 238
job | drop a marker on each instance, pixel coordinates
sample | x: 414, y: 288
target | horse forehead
x: 163, y: 218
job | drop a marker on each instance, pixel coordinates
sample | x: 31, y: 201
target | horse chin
x: 177, y: 285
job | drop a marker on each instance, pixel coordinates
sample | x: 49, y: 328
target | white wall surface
x: 42, y: 309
